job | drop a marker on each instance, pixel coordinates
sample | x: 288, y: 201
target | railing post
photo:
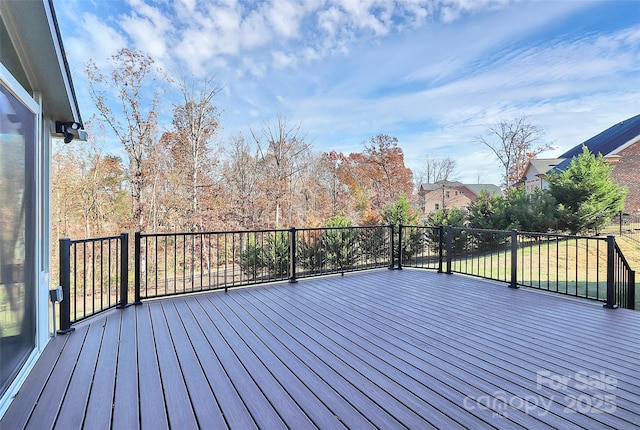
x: 514, y: 259
x: 292, y: 255
x: 392, y: 253
x: 440, y: 247
x: 124, y: 270
x: 65, y: 282
x: 449, y: 248
x: 631, y: 292
x: 400, y: 253
x: 620, y: 222
x: 136, y: 268
x: 611, y: 280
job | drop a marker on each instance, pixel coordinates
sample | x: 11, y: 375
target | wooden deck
x: 378, y: 349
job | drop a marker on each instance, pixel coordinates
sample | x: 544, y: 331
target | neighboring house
x: 451, y: 194
x: 36, y: 93
x: 619, y: 145
x: 536, y: 172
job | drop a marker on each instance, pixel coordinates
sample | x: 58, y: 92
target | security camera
x: 67, y: 129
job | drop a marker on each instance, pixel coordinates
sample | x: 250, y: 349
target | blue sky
x: 433, y: 73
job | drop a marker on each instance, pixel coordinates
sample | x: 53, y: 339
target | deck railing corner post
x: 449, y: 248
x: 292, y: 255
x: 136, y: 267
x: 65, y: 283
x: 514, y: 259
x: 631, y: 293
x: 124, y: 270
x: 440, y: 247
x: 392, y: 262
x: 611, y: 281
x: 400, y: 247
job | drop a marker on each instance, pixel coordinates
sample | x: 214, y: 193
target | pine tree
x: 587, y: 196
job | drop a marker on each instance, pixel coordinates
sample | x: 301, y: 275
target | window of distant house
x: 437, y: 206
x: 456, y: 193
x: 446, y: 194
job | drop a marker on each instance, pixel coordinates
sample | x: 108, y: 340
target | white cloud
x: 284, y: 17
x: 282, y: 60
x: 95, y: 40
x: 148, y: 28
x: 255, y: 31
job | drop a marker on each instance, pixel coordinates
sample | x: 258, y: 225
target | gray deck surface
x: 378, y: 349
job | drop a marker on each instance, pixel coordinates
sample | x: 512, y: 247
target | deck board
x: 280, y: 400
x: 201, y: 395
x: 54, y: 391
x: 377, y: 349
x: 233, y: 408
x: 125, y: 402
x: 255, y: 401
x: 100, y: 406
x: 73, y: 411
x: 315, y: 357
x: 34, y: 384
x: 178, y: 403
x: 300, y: 363
x: 152, y: 395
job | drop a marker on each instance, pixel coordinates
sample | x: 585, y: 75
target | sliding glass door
x: 17, y: 236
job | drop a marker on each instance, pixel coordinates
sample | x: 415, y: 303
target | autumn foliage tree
x: 377, y: 176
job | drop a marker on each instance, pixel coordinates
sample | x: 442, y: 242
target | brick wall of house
x: 627, y: 172
x: 453, y: 198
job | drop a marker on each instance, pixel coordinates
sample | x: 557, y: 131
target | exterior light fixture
x: 68, y: 129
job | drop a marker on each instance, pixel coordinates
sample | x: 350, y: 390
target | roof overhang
x: 34, y: 33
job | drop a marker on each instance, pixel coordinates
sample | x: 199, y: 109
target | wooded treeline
x: 273, y: 179
x: 183, y: 177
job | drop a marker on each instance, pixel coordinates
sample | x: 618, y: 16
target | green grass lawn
x: 575, y: 267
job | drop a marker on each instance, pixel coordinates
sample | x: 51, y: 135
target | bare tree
x: 195, y: 123
x: 283, y: 153
x: 240, y: 175
x: 436, y: 169
x: 514, y: 143
x: 135, y: 122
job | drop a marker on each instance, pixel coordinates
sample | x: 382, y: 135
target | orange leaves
x: 375, y: 177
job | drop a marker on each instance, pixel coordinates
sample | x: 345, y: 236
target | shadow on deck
x: 385, y: 349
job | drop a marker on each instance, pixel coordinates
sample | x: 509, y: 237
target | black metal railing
x: 586, y: 267
x: 421, y: 247
x: 622, y: 277
x: 94, y: 273
x: 331, y: 250
x: 178, y: 263
x: 482, y: 253
x: 626, y: 225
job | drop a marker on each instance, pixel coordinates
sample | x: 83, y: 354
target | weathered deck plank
x: 378, y: 349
